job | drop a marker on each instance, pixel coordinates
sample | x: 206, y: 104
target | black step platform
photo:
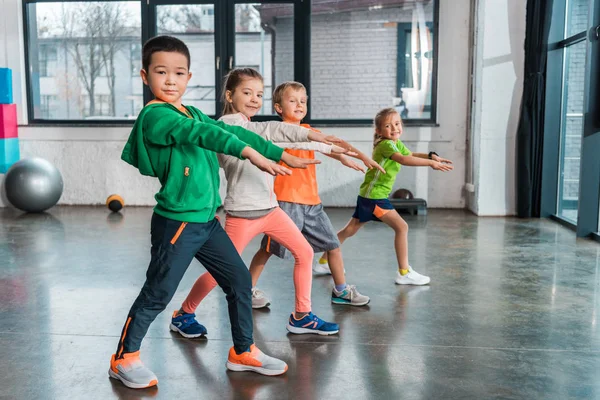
x: 414, y: 206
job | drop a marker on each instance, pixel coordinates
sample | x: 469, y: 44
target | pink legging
x: 280, y: 227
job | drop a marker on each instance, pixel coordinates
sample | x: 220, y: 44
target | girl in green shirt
x: 373, y: 203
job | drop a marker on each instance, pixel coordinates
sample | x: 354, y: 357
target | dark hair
x: 232, y: 80
x: 163, y: 43
x: 281, y: 88
x: 379, y: 120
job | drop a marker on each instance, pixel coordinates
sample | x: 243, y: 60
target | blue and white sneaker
x: 311, y: 324
x: 186, y: 325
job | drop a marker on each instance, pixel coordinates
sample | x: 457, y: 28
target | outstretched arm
x: 368, y: 161
x: 411, y: 160
x: 346, y: 161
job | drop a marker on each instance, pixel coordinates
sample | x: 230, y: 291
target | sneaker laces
x: 352, y: 290
x: 257, y: 293
x: 318, y: 320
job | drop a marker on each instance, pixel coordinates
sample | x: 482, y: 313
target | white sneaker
x: 259, y: 300
x: 321, y: 269
x: 256, y: 361
x: 412, y: 278
x: 131, y: 371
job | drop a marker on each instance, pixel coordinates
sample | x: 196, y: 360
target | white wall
x: 498, y: 68
x: 89, y: 158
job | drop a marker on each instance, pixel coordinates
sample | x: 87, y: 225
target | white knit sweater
x: 249, y: 188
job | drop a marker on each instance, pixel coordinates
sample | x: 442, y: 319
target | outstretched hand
x: 440, y: 166
x: 335, y: 149
x: 297, y: 162
x: 351, y: 164
x: 263, y: 163
x: 440, y: 159
x: 370, y: 163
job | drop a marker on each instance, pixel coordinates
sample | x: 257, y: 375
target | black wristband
x: 431, y: 153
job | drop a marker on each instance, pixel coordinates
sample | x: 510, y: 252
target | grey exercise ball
x: 33, y: 185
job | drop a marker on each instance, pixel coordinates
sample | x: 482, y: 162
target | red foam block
x: 8, y: 121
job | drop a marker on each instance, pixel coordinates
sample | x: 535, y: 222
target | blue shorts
x: 371, y: 209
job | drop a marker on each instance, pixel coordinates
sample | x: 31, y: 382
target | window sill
x: 564, y: 222
x: 364, y: 124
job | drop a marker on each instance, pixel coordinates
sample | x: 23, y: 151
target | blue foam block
x: 6, y: 96
x: 9, y: 153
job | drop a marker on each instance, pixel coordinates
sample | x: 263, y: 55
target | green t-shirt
x: 378, y: 185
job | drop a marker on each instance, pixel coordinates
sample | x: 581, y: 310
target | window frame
x: 587, y: 224
x: 224, y: 47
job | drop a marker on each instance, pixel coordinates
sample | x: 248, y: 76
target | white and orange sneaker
x: 256, y: 361
x: 131, y: 371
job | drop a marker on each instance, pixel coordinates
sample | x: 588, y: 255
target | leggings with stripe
x: 174, y: 245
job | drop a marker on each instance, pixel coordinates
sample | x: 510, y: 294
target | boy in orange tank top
x: 298, y: 196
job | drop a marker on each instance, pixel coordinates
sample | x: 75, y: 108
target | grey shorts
x: 314, y: 224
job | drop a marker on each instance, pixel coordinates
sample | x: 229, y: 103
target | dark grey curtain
x: 530, y: 133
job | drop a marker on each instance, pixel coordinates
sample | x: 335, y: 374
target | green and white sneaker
x: 349, y: 296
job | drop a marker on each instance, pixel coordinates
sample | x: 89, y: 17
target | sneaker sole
x: 328, y: 272
x: 263, y: 371
x: 347, y: 303
x: 302, y: 331
x: 411, y: 283
x: 261, y: 306
x: 185, y: 335
x: 131, y: 385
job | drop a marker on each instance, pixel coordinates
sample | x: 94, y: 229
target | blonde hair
x: 232, y: 80
x: 379, y: 120
x: 281, y: 88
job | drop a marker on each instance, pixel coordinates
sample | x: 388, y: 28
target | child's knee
x: 242, y: 280
x: 401, y: 226
x: 303, y: 253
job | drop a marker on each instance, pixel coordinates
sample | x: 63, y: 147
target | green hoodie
x: 181, y: 152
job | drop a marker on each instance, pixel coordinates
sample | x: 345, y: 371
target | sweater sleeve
x: 254, y: 140
x: 163, y: 127
x: 275, y: 131
x: 316, y: 146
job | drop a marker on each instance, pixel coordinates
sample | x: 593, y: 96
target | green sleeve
x: 165, y: 127
x: 387, y: 148
x: 403, y: 149
x: 258, y: 143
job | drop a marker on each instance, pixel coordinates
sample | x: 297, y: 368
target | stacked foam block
x: 9, y: 140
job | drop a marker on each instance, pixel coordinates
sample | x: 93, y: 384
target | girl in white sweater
x: 252, y: 208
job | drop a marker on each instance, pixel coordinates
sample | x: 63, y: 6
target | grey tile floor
x: 512, y: 312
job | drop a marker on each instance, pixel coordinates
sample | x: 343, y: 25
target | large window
x: 367, y: 55
x: 79, y: 54
x: 355, y: 57
x: 264, y: 36
x: 572, y: 128
x: 195, y: 25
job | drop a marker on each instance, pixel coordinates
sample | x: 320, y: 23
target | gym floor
x: 512, y: 312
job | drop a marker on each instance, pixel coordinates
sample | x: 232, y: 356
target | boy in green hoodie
x: 178, y: 144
